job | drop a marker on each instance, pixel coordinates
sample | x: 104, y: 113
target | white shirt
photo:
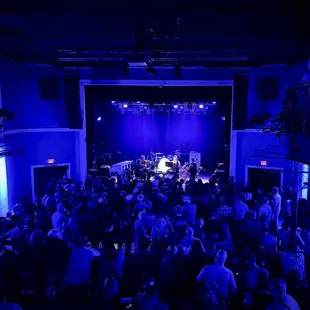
x: 265, y: 209
x: 277, y: 204
x: 79, y: 269
x: 218, y: 278
x: 240, y: 209
x: 58, y: 219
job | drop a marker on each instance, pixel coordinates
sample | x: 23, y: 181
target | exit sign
x: 263, y: 163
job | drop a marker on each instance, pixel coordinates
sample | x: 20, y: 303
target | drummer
x: 176, y: 161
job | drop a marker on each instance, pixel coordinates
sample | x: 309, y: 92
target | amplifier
x: 121, y: 167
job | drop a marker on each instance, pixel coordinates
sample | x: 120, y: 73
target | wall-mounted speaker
x: 240, y: 100
x: 72, y: 101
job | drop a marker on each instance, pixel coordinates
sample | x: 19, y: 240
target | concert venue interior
x: 155, y: 159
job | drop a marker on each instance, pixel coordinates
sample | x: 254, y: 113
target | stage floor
x: 204, y: 176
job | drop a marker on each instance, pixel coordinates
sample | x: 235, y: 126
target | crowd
x: 161, y: 244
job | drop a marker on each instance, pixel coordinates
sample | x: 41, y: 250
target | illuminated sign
x: 51, y: 161
x: 263, y: 163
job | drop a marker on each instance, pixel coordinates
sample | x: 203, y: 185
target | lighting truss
x: 147, y: 108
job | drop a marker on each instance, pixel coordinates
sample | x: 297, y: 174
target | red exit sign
x: 263, y: 163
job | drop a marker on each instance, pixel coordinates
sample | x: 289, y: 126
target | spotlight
x: 112, y: 101
x: 125, y: 106
x: 214, y: 102
x: 201, y: 106
x: 223, y: 118
x: 175, y: 106
x: 99, y: 119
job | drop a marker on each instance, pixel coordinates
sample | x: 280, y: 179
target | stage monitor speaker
x: 72, y: 101
x: 240, y: 100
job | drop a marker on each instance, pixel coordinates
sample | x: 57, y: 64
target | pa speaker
x: 72, y: 101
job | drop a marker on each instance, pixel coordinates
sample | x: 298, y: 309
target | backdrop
x: 133, y: 135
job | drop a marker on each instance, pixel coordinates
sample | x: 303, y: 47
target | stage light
x: 175, y: 106
x: 99, y: 119
x: 125, y: 106
x: 223, y: 118
x: 112, y: 101
x: 201, y: 106
x: 214, y: 102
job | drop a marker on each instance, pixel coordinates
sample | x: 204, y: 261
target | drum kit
x: 165, y: 165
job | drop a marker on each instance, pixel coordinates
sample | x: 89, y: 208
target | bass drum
x: 162, y: 167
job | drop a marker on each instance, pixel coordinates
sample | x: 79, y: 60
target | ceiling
x: 189, y: 39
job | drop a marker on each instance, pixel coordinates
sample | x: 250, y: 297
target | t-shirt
x: 79, y: 269
x: 218, y: 279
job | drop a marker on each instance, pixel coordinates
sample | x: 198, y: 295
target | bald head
x: 220, y: 257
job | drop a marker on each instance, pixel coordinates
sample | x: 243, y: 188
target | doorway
x: 42, y: 175
x: 263, y: 178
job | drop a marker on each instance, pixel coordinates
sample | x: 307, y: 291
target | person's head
x: 186, y: 200
x: 249, y: 257
x: 140, y: 198
x: 189, y: 232
x: 275, y: 190
x: 220, y: 258
x: 54, y: 234
x: 61, y: 208
x: 37, y: 237
x: 277, y: 288
x: 264, y: 200
x: 110, y: 287
x: 192, y: 160
x: 142, y: 157
x: 178, y: 210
